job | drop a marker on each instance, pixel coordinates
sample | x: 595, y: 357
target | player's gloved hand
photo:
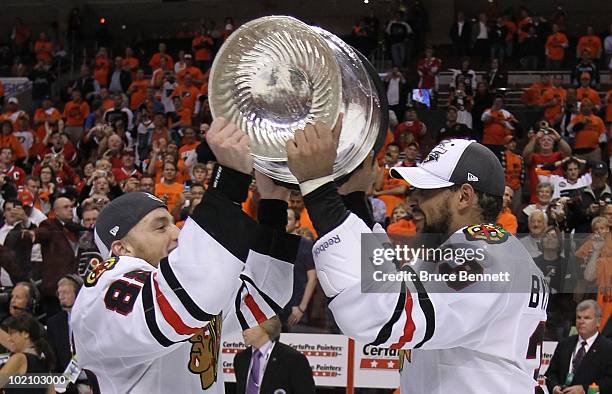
x: 231, y: 146
x: 312, y: 151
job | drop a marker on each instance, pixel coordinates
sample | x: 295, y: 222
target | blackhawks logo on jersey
x: 490, y: 233
x: 97, y: 268
x: 205, y: 352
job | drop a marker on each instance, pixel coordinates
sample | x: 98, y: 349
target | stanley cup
x: 276, y: 74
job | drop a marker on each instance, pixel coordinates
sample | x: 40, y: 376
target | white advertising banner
x: 13, y: 86
x: 327, y: 355
x: 548, y: 349
x: 376, y: 367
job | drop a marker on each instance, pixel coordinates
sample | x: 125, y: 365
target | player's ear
x: 121, y: 248
x: 466, y: 196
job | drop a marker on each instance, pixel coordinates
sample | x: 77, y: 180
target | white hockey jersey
x: 481, y: 337
x: 150, y: 330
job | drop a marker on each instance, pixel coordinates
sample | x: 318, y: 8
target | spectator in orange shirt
x: 12, y: 112
x: 130, y: 62
x: 390, y: 190
x: 107, y: 100
x: 168, y: 189
x: 46, y: 114
x: 498, y: 123
x: 154, y: 62
x: 196, y: 74
x: 75, y: 113
x: 590, y: 132
x: 202, y: 45
x: 402, y: 227
x: 514, y: 168
x: 44, y: 49
x: 506, y: 218
x: 138, y: 90
x: 296, y: 202
x: 553, y: 101
x: 188, y: 93
x: 555, y: 48
x: 101, y: 67
x: 585, y: 92
x: 533, y: 94
x: 181, y: 117
x: 590, y: 43
x: 9, y: 140
x: 511, y: 29
x: 157, y: 78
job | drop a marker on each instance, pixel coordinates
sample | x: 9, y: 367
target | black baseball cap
x: 455, y: 162
x: 120, y: 216
x: 599, y: 168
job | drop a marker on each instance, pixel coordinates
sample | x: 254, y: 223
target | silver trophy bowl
x: 276, y: 74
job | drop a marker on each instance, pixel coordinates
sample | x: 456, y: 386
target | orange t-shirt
x: 202, y: 54
x: 593, y: 129
x: 76, y: 113
x: 559, y: 94
x: 188, y: 95
x: 534, y: 93
x: 555, y: 51
x: 11, y: 141
x: 132, y: 63
x: 249, y: 206
x: 108, y: 104
x: 507, y: 220
x: 604, y: 275
x: 185, y: 115
x: 154, y: 62
x: 171, y: 192
x: 591, y: 44
x: 609, y: 106
x: 188, y: 147
x: 101, y: 66
x: 44, y: 51
x: 44, y: 115
x: 514, y: 168
x: 195, y: 72
x: 494, y: 131
x: 402, y: 227
x: 391, y: 200
x: 305, y: 222
x: 588, y: 93
x: 511, y: 26
x: 139, y: 92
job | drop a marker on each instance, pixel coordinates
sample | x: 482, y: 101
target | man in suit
x: 496, y: 78
x: 461, y: 34
x: 582, y: 359
x: 58, y: 327
x: 268, y: 366
x: 59, y: 240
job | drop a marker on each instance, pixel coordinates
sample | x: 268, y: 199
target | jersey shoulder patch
x: 490, y: 233
x: 96, y: 271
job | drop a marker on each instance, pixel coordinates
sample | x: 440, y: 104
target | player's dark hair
x: 490, y: 206
x: 38, y: 337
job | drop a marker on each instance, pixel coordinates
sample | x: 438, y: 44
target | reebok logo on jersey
x: 321, y: 248
x: 114, y: 231
x: 472, y: 177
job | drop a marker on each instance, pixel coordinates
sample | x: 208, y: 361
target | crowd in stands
x: 132, y: 121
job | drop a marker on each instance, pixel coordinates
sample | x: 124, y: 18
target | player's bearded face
x: 432, y: 213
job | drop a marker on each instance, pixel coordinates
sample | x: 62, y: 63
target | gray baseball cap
x: 120, y: 216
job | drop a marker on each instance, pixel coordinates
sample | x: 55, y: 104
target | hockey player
x: 148, y: 319
x: 460, y: 336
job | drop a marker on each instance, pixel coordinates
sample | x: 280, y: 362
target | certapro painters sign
x: 327, y: 355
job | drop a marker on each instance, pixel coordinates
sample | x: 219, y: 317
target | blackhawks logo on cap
x: 436, y: 152
x: 490, y: 233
